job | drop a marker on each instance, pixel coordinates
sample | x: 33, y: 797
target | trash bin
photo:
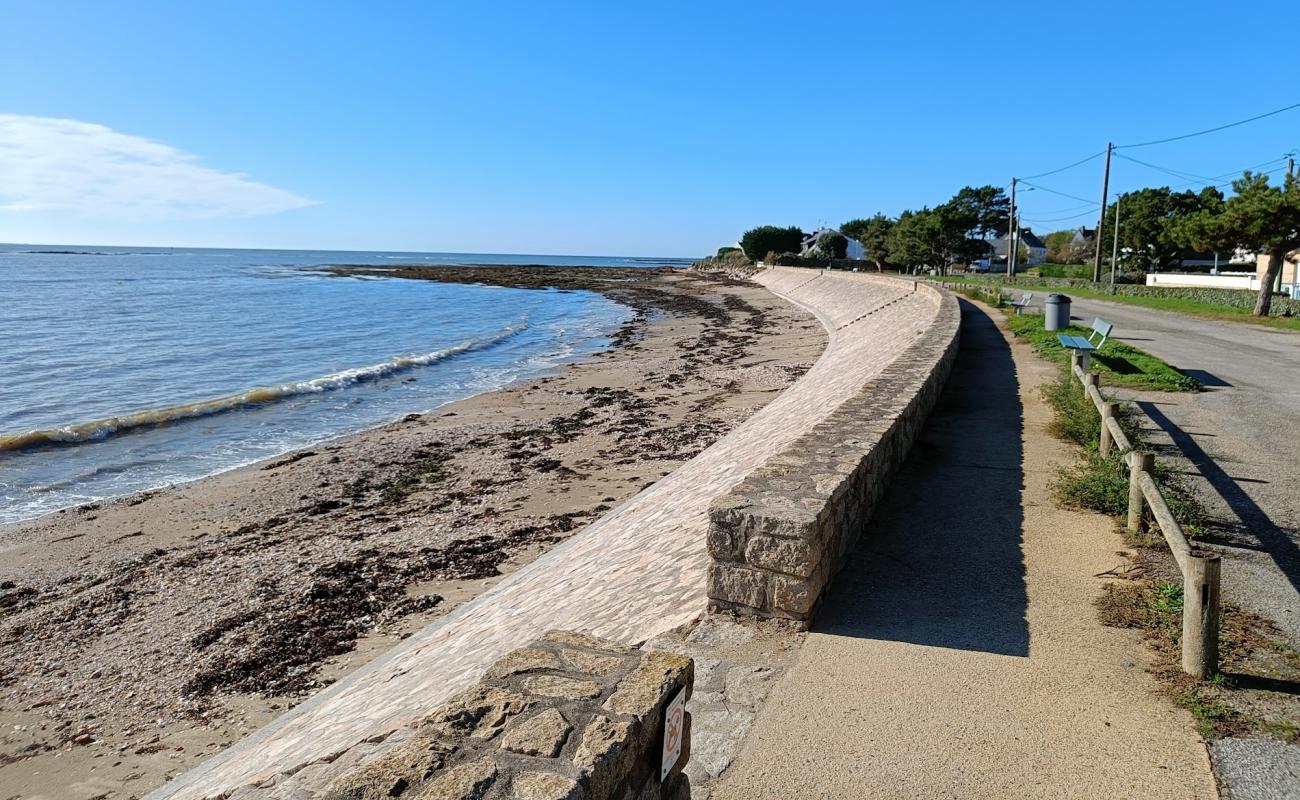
x: 1057, y: 314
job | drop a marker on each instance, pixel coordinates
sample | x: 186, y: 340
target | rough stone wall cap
x: 650, y: 683
x: 525, y: 659
x: 577, y: 639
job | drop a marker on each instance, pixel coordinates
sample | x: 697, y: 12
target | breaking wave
x: 101, y: 429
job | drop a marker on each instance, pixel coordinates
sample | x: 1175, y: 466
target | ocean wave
x: 100, y: 429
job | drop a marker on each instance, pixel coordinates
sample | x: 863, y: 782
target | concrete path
x: 1239, y: 444
x: 1240, y: 441
x: 633, y: 574
x: 959, y: 654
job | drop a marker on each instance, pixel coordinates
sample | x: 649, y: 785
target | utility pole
x: 1105, y: 192
x: 1114, y: 250
x: 1011, y: 237
x: 1290, y: 164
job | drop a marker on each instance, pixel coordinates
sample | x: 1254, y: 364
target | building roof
x: 811, y: 239
x: 1027, y: 236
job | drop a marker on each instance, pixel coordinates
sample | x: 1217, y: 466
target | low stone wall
x: 777, y: 538
x: 636, y: 573
x: 569, y: 716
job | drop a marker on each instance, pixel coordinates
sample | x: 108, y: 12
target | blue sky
x: 602, y: 128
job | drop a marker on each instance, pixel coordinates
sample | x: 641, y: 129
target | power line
x: 1265, y: 172
x: 1251, y: 168
x: 1176, y: 173
x: 1068, y: 210
x: 1062, y: 194
x: 1215, y: 181
x: 1067, y: 166
x: 1212, y: 130
x: 1059, y: 219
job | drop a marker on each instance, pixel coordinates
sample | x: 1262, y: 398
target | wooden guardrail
x: 1200, y: 570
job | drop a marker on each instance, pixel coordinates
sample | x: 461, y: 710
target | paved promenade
x: 635, y: 573
x: 959, y: 654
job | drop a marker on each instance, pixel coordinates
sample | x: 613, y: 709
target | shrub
x: 1133, y: 284
x: 1101, y: 484
x: 1096, y: 484
x: 831, y: 246
x: 1076, y: 418
x: 770, y: 238
x: 1065, y: 271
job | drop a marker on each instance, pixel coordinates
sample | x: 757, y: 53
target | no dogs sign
x: 674, y: 732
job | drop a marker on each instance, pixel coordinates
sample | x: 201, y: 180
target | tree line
x: 1158, y: 229
x: 958, y: 230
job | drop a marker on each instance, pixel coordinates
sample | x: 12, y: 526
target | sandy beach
x: 139, y: 635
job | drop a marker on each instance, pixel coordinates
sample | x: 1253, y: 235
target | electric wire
x: 1068, y: 210
x: 1067, y: 166
x: 1211, y: 130
x: 1060, y: 219
x: 1175, y: 173
x: 1062, y: 194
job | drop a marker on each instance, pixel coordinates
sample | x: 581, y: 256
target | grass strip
x: 1118, y: 363
x: 1253, y: 655
x: 1180, y: 305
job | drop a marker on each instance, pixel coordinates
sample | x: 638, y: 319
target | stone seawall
x: 778, y: 538
x: 637, y: 572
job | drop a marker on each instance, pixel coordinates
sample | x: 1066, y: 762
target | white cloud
x: 63, y: 164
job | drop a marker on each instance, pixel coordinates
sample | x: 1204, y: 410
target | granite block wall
x: 778, y: 538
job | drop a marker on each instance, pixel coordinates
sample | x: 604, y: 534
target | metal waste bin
x: 1057, y: 314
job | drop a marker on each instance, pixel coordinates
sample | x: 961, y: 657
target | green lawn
x: 1062, y: 270
x: 1180, y: 305
x: 1119, y: 364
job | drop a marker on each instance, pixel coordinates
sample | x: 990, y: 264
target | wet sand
x: 140, y: 635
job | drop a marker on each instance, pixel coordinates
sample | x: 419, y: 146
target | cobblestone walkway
x: 635, y: 573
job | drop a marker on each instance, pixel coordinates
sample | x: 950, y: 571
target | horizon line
x: 339, y: 250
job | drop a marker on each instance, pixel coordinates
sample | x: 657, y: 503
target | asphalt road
x: 1239, y: 440
x: 1239, y: 444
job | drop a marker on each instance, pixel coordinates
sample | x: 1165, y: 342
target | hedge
x: 1282, y: 306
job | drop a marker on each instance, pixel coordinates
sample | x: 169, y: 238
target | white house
x: 855, y: 250
x: 1037, y: 250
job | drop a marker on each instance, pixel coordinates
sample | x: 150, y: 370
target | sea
x: 126, y: 369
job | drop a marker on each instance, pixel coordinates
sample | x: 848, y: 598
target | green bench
x: 1085, y: 345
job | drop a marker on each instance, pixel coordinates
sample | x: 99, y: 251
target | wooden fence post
x: 1201, y: 616
x: 1107, y: 441
x: 1137, y: 464
x: 1091, y: 379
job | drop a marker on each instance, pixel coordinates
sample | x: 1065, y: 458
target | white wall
x: 1230, y: 281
